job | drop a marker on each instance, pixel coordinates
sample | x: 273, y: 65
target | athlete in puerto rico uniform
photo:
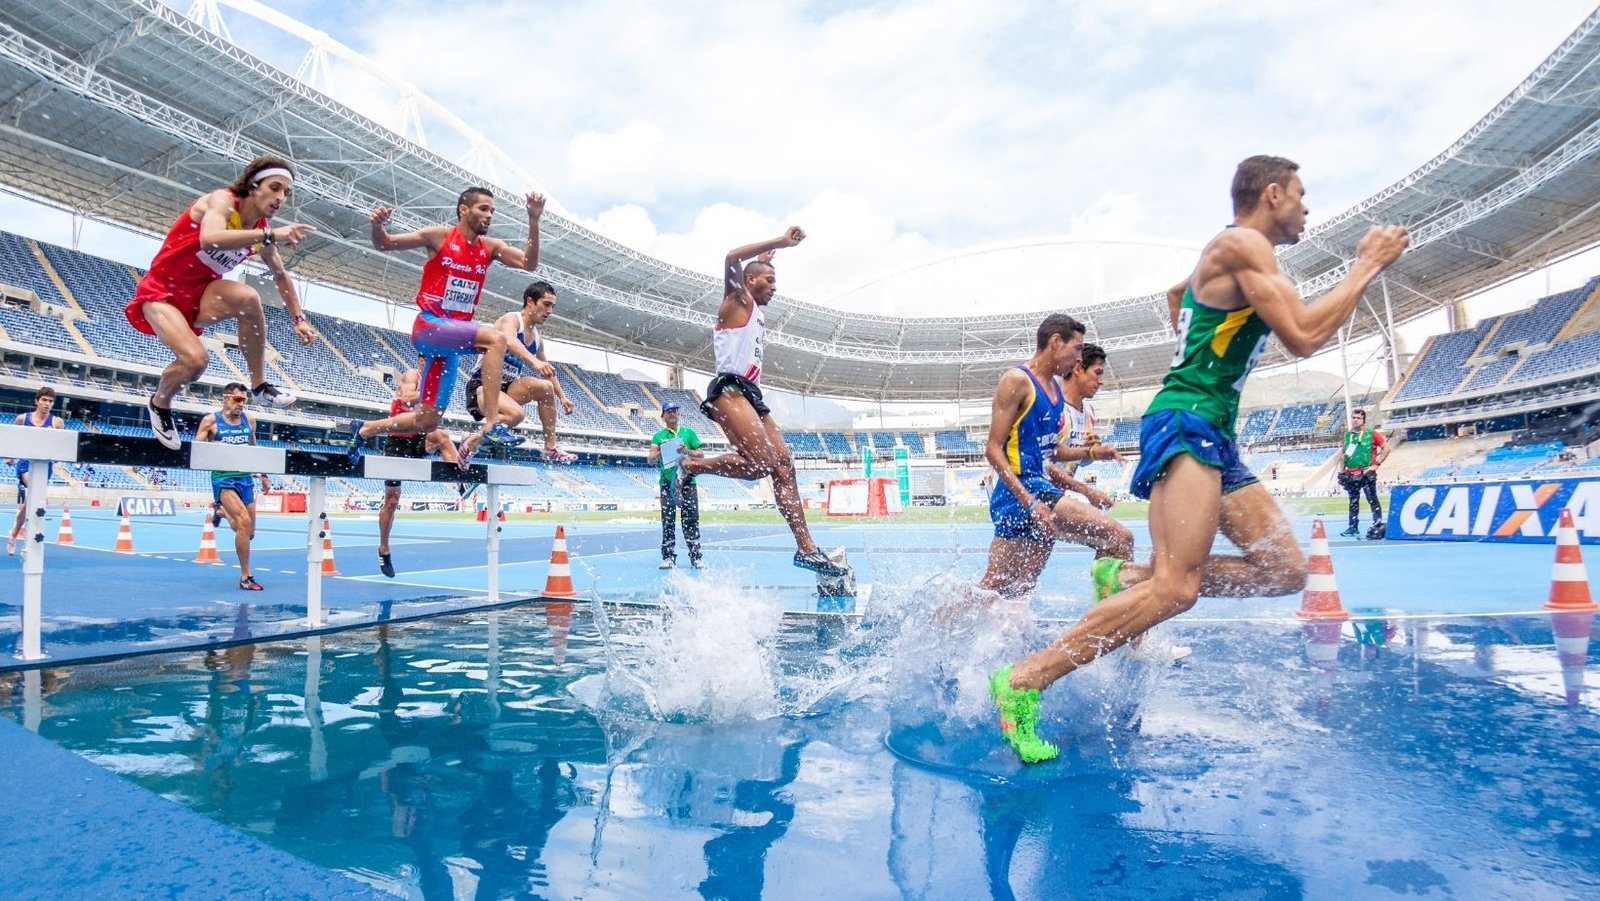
x: 447, y: 299
x: 184, y: 291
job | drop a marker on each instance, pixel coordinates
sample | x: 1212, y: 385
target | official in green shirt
x: 667, y: 447
x: 1364, y: 450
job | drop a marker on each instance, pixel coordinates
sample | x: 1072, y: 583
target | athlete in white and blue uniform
x: 44, y: 400
x: 527, y: 376
x: 234, y: 492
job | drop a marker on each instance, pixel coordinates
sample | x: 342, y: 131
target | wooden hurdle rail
x: 42, y: 446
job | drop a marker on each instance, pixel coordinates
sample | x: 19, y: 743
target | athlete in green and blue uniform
x: 1189, y: 465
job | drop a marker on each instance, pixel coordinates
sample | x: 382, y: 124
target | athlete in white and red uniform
x: 734, y: 402
x: 447, y: 298
x: 185, y: 291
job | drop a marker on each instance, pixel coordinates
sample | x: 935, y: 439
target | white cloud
x: 625, y: 162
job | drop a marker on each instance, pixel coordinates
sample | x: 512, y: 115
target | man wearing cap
x: 667, y: 447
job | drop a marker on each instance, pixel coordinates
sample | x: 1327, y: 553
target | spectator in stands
x: 667, y: 448
x: 447, y: 298
x: 44, y: 400
x: 235, y: 492
x: 527, y: 376
x: 1189, y: 467
x: 1364, y: 452
x: 734, y: 402
x: 185, y: 291
x: 1033, y: 426
x: 414, y: 445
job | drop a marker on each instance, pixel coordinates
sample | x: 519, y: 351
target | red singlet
x: 452, y: 279
x: 182, y: 270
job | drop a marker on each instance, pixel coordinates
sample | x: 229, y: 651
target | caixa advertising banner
x: 1523, y: 512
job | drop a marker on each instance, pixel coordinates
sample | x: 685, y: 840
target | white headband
x: 265, y: 174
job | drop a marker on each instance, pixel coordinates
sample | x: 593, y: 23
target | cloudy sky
x: 900, y: 132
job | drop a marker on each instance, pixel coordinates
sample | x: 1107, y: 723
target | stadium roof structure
x: 125, y: 110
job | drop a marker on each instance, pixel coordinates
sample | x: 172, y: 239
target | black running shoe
x: 216, y: 516
x: 818, y: 562
x: 271, y: 395
x: 385, y: 565
x: 162, y: 425
x: 357, y: 443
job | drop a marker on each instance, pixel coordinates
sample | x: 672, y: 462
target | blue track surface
x: 99, y: 603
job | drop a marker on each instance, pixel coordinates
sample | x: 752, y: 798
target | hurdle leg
x: 493, y: 541
x: 316, y: 528
x: 33, y: 562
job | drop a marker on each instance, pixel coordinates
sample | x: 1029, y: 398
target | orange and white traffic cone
x: 328, y: 568
x: 65, y: 535
x: 558, y: 618
x: 208, y: 542
x: 1321, y: 598
x: 1569, y: 580
x: 558, y: 584
x: 124, y: 536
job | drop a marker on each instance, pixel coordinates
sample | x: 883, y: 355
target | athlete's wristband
x: 297, y: 319
x: 266, y: 237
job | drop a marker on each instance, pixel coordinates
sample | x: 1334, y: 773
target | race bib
x: 460, y: 295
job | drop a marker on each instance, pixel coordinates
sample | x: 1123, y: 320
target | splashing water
x: 718, y: 653
x: 707, y: 655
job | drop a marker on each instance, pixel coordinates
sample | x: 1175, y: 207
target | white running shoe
x: 271, y: 395
x: 162, y: 425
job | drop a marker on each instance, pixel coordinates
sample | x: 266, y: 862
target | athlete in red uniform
x: 406, y: 444
x: 444, y: 332
x: 185, y: 291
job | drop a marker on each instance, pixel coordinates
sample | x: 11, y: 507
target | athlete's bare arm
x: 1175, y: 301
x: 736, y: 298
x: 291, y: 300
x: 212, y: 212
x: 1238, y: 268
x: 410, y: 387
x: 1093, y: 450
x: 527, y: 256
x: 555, y: 383
x: 1064, y: 479
x: 431, y: 237
x: 207, y: 429
x: 508, y: 325
x: 1009, y: 398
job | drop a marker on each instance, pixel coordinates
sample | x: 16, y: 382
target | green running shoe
x: 1105, y: 573
x: 1019, y: 716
